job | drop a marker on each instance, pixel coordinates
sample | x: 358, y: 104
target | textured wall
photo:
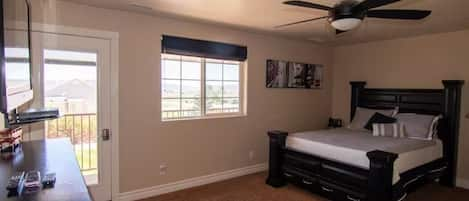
x: 196, y: 147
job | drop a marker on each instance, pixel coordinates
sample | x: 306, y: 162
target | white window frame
x: 203, y: 113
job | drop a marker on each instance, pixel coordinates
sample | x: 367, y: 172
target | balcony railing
x: 82, y: 131
x: 177, y: 114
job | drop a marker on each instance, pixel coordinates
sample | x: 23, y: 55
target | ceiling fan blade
x: 307, y: 5
x: 399, y: 14
x: 302, y: 21
x: 369, y: 4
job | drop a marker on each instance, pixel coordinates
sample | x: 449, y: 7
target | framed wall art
x: 284, y: 74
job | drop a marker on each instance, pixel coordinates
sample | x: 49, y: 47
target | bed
x: 345, y: 164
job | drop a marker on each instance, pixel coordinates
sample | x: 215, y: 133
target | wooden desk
x: 47, y: 156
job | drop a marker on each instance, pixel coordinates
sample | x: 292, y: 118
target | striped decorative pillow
x: 395, y: 130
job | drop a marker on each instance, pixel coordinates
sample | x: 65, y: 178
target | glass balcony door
x: 74, y: 77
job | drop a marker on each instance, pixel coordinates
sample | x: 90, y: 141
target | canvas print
x: 313, y: 76
x: 282, y: 74
x: 296, y: 75
x: 277, y: 74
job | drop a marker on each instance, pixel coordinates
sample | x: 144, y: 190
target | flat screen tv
x: 15, y: 55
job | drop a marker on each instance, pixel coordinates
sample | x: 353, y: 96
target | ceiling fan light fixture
x: 346, y: 24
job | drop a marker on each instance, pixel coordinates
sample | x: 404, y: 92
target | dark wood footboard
x: 331, y: 179
x: 380, y: 178
x: 276, y: 144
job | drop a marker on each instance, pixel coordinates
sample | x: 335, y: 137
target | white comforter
x: 350, y: 147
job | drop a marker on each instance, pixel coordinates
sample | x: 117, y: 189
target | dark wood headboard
x: 446, y: 101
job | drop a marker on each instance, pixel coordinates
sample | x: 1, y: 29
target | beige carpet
x: 253, y: 188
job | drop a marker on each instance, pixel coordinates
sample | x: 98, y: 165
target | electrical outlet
x: 251, y: 155
x: 163, y: 169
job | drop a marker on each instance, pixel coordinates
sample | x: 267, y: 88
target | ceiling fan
x: 349, y: 14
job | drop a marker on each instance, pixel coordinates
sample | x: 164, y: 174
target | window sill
x: 226, y: 116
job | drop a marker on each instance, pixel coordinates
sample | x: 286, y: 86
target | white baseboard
x: 462, y: 183
x: 189, y: 183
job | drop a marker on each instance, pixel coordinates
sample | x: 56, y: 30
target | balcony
x: 82, y: 131
x: 178, y: 114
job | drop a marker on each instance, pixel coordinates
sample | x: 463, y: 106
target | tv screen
x: 15, y: 76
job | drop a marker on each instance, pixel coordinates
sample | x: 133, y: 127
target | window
x: 194, y: 87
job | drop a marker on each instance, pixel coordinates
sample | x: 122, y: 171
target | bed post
x: 277, y: 143
x: 380, y: 178
x: 357, y: 87
x: 452, y: 104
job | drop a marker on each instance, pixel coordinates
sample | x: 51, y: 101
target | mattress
x: 350, y: 147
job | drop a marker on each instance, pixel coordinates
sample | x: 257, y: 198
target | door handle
x: 106, y: 134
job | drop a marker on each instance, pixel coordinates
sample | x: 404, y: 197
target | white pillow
x: 363, y: 115
x: 419, y: 126
x: 395, y: 130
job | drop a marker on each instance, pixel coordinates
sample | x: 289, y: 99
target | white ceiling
x: 264, y: 15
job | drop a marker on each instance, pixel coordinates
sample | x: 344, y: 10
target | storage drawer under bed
x: 298, y: 177
x: 345, y: 175
x: 337, y: 192
x: 331, y: 180
x: 305, y: 163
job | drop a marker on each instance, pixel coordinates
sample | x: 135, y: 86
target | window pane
x: 191, y: 107
x: 231, y: 105
x: 171, y: 69
x: 170, y: 89
x: 231, y: 89
x: 190, y: 113
x: 182, y: 82
x: 191, y: 70
x: 231, y: 72
x: 214, y: 105
x: 191, y: 104
x: 214, y: 89
x: 71, y: 85
x: 176, y: 114
x: 70, y: 55
x: 170, y: 104
x: 214, y: 71
x: 14, y: 52
x: 190, y: 89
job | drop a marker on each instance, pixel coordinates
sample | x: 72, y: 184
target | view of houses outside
x: 182, y: 82
x: 70, y: 84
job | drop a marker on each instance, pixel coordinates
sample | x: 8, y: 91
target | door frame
x: 113, y: 37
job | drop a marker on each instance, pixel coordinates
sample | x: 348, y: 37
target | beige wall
x: 200, y: 147
x: 420, y: 62
x: 196, y: 147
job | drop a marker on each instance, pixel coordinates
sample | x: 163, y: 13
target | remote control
x: 33, y: 179
x: 48, y: 181
x: 15, y: 182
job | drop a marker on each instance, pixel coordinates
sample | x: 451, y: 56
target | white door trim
x: 113, y: 37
